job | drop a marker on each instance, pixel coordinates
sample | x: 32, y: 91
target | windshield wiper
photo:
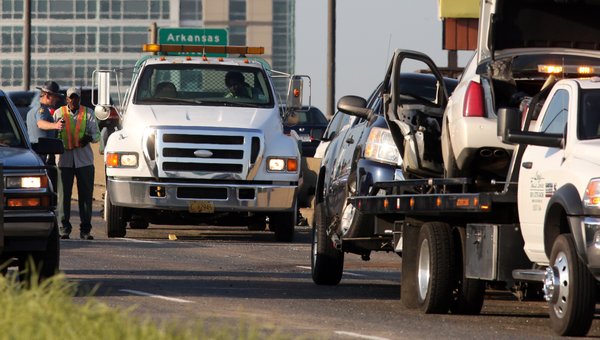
x: 230, y: 103
x: 175, y: 100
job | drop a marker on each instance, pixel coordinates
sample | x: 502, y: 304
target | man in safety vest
x: 80, y: 128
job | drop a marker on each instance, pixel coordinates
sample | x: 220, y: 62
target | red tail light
x: 474, y: 101
x: 113, y: 113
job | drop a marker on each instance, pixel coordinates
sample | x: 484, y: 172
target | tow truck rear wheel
x: 435, y: 265
x: 571, y: 288
x: 115, y: 222
x: 468, y: 294
x: 327, y: 263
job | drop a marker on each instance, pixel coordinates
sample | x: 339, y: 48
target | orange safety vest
x: 70, y: 136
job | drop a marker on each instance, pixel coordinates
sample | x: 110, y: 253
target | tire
x: 45, y: 263
x: 139, y: 224
x: 435, y: 268
x: 573, y: 306
x: 327, y: 263
x: 467, y: 294
x: 115, y: 221
x: 283, y: 225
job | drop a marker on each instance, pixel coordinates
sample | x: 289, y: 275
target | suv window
x: 9, y: 131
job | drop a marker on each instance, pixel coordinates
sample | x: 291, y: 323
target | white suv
x: 520, y: 44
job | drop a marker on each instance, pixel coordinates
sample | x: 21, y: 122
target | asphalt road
x: 214, y: 275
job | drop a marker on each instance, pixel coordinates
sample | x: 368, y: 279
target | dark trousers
x: 85, y: 190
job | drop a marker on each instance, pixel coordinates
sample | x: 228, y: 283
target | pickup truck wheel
x: 327, y: 263
x: 45, y: 263
x: 435, y: 268
x: 573, y: 301
x: 283, y: 224
x: 468, y: 294
x: 115, y: 222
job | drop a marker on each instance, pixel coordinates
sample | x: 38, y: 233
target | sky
x: 367, y: 33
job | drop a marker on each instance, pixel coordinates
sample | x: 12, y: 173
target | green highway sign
x: 193, y: 36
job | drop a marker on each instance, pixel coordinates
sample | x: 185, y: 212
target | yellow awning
x: 459, y: 8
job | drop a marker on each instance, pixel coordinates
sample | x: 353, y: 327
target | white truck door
x: 540, y: 169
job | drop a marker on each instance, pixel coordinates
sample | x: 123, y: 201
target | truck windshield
x: 589, y: 115
x: 9, y: 130
x: 185, y: 84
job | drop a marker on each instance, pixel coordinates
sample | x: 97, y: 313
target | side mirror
x: 102, y: 103
x: 294, y: 96
x: 508, y: 120
x: 50, y: 146
x: 355, y: 106
x: 509, y: 129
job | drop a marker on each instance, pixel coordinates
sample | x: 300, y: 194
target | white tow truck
x: 540, y: 229
x: 201, y: 141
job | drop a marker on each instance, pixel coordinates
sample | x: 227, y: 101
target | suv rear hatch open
x: 554, y: 24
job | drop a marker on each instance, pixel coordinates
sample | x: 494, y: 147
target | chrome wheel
x: 424, y: 270
x: 562, y: 294
x: 347, y: 218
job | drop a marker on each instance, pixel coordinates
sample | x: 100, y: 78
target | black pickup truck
x: 29, y: 228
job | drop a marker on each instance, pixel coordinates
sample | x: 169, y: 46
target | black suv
x: 29, y: 227
x: 361, y: 153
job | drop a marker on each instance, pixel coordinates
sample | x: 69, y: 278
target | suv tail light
x: 473, y: 106
x: 113, y: 113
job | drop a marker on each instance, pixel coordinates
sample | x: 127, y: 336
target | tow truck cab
x: 194, y: 147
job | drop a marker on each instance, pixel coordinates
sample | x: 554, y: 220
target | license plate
x: 205, y: 207
x: 305, y: 138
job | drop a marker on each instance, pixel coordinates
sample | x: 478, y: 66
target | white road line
x: 137, y: 292
x: 138, y: 241
x: 345, y: 273
x: 360, y: 336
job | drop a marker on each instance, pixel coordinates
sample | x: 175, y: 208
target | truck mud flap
x: 410, y: 238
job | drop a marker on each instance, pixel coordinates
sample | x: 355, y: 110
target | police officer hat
x: 50, y: 87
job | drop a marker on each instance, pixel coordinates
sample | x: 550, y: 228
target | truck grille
x: 206, y: 152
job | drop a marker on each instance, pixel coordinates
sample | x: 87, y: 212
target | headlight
x: 281, y: 164
x: 29, y: 182
x: 121, y: 160
x: 591, y: 198
x: 380, y: 147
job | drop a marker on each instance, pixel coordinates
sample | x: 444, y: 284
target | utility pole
x: 26, y: 44
x: 330, y: 58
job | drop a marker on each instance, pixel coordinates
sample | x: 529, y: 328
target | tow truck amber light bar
x: 579, y: 69
x: 203, y: 49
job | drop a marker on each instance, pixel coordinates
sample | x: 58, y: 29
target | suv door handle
x: 527, y: 165
x: 350, y: 140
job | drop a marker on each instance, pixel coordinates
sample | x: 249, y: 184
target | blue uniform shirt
x: 37, y: 112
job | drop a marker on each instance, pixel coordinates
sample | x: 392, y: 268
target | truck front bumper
x: 27, y: 230
x: 236, y: 197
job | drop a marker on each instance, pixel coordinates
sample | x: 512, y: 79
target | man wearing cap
x: 80, y: 129
x: 40, y: 123
x: 39, y: 118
